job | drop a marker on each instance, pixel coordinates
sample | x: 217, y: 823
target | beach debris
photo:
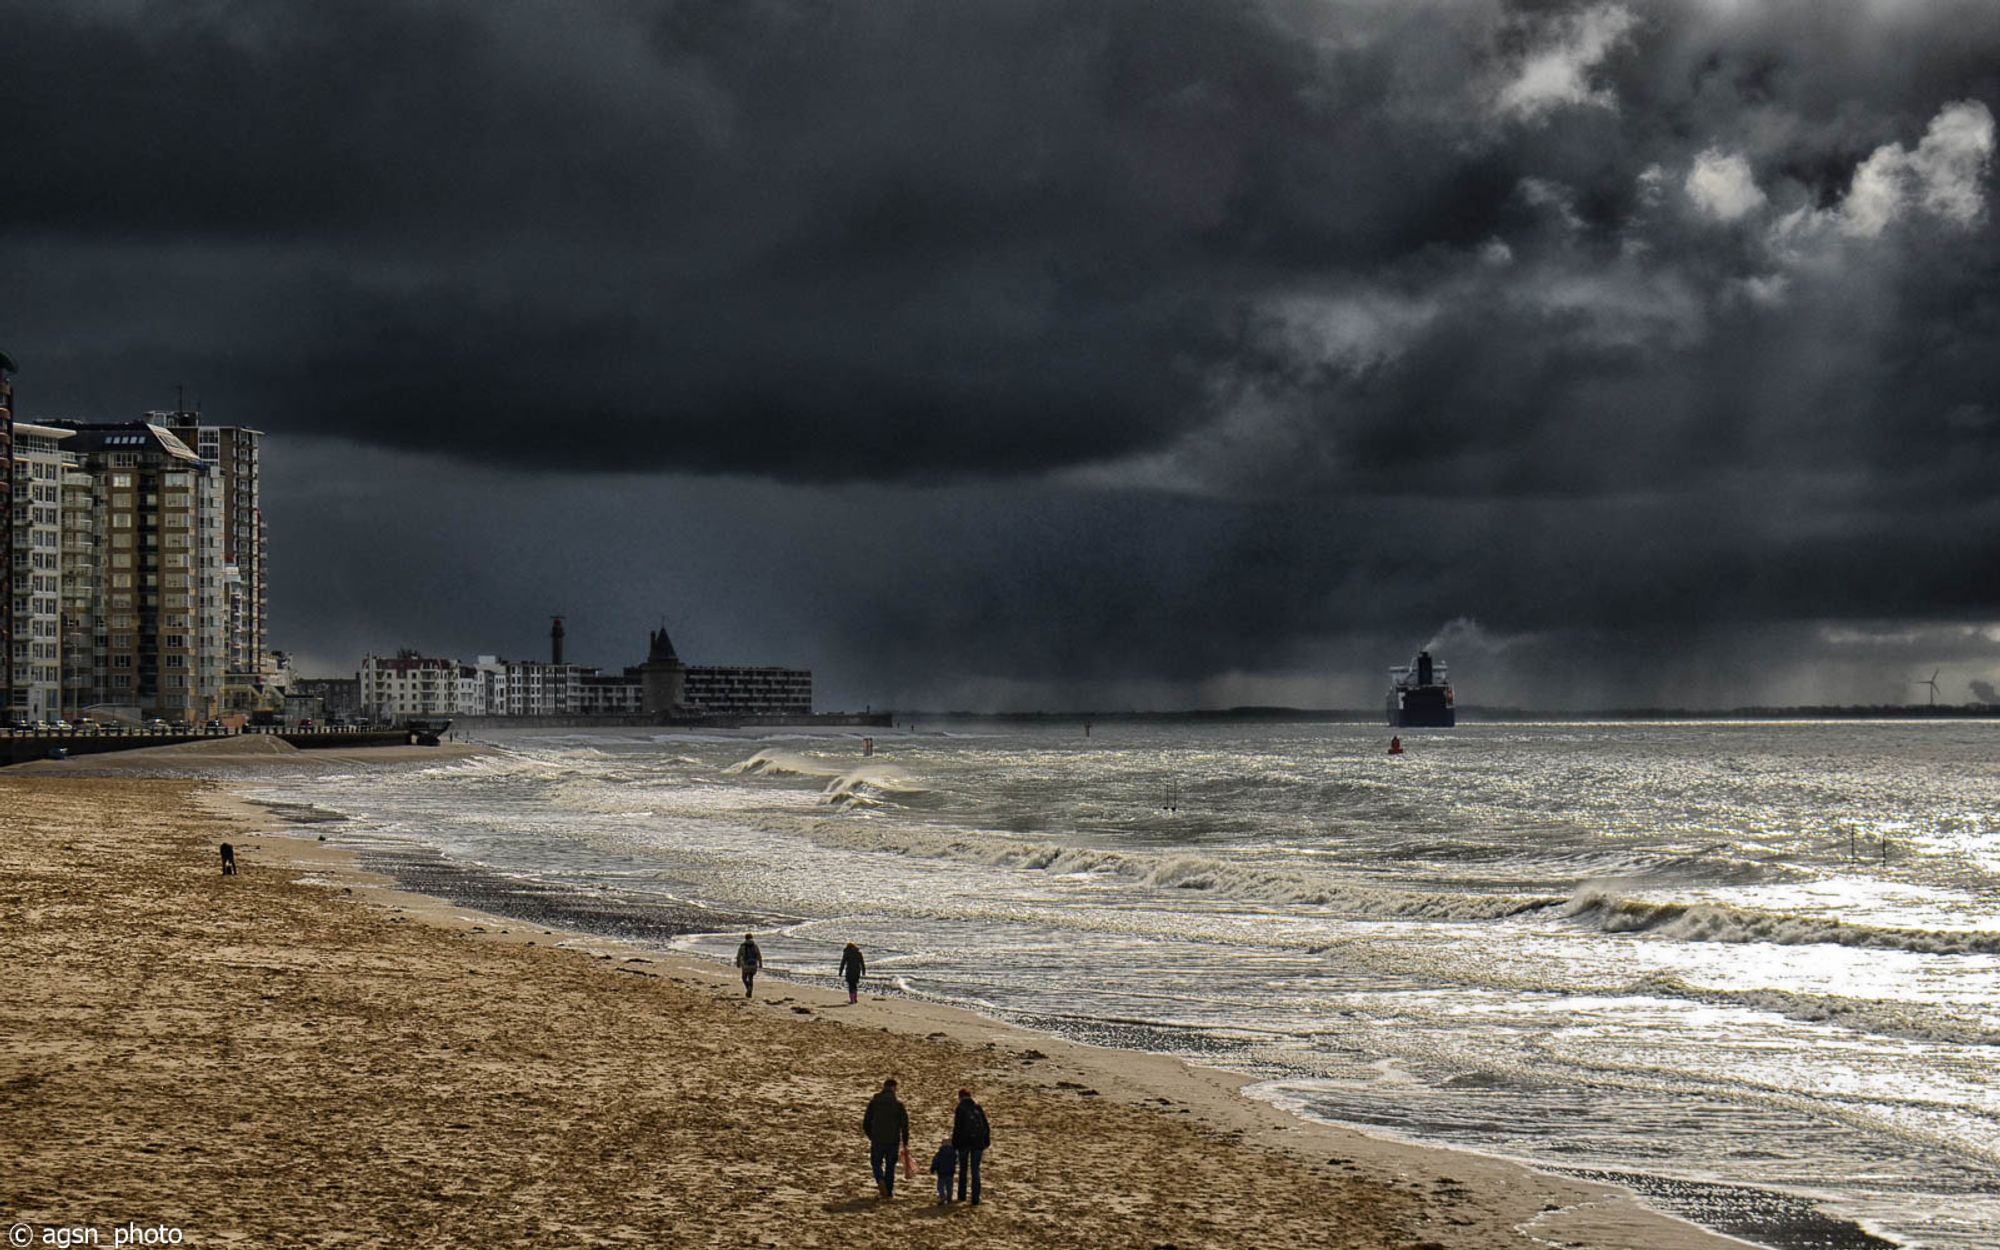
x: 802, y: 1011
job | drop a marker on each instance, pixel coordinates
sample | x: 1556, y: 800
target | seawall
x: 19, y: 748
x: 477, y: 724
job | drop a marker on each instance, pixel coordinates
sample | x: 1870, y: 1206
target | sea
x: 1750, y: 970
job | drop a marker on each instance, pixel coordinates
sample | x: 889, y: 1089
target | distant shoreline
x: 1473, y: 714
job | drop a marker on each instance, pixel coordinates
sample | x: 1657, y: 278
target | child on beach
x: 944, y: 1165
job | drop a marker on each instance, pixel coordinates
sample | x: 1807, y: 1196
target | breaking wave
x: 1189, y: 871
x: 1603, y: 907
x: 783, y: 764
x: 1863, y: 1015
x: 871, y: 785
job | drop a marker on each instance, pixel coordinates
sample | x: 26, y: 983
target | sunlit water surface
x: 1761, y: 954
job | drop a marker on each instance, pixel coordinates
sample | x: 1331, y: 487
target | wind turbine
x: 1932, y: 683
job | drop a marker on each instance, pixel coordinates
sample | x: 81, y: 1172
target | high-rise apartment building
x: 6, y: 531
x: 82, y: 588
x: 39, y: 463
x: 132, y: 568
x: 237, y: 454
x: 158, y: 629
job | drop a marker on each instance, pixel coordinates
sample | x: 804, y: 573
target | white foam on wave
x: 1184, y: 871
x: 870, y: 785
x: 1606, y: 907
x: 1862, y: 1015
x: 769, y: 763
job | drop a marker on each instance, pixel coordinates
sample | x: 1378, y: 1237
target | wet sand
x: 304, y: 1055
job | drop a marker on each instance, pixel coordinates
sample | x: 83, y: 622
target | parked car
x: 307, y: 723
x: 156, y: 725
x: 181, y: 727
x: 217, y: 727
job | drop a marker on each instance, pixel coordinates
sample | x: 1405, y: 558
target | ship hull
x: 1424, y: 708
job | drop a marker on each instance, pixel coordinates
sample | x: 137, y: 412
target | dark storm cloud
x: 1273, y: 324
x: 805, y: 238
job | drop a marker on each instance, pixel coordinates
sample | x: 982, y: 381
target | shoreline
x: 1414, y: 1195
x: 1571, y: 1211
x: 1769, y: 1218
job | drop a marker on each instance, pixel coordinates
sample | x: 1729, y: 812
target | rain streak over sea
x: 1750, y: 969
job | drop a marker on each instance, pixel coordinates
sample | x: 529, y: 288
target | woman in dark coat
x: 851, y: 968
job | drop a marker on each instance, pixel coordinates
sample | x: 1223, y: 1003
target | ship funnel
x: 1423, y: 668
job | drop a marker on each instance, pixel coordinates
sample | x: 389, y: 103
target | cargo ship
x: 1420, y: 695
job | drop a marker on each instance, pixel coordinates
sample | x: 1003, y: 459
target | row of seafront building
x: 663, y: 686
x: 135, y: 563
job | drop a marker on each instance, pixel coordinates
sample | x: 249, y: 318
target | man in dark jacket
x: 748, y: 960
x: 970, y: 1136
x: 887, y: 1125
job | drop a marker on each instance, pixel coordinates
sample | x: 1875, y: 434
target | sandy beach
x: 302, y: 1055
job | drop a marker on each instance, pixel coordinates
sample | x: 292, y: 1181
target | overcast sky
x: 998, y: 353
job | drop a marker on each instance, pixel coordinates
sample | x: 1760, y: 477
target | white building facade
x: 35, y: 582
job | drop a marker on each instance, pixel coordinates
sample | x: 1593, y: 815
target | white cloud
x: 1943, y: 177
x: 1949, y: 166
x: 1722, y: 186
x: 1557, y: 71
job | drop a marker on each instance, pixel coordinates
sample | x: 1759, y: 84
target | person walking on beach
x: 748, y: 960
x: 852, y: 965
x: 886, y: 1124
x: 970, y: 1136
x: 228, y: 860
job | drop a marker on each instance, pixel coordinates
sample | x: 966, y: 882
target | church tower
x: 662, y: 678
